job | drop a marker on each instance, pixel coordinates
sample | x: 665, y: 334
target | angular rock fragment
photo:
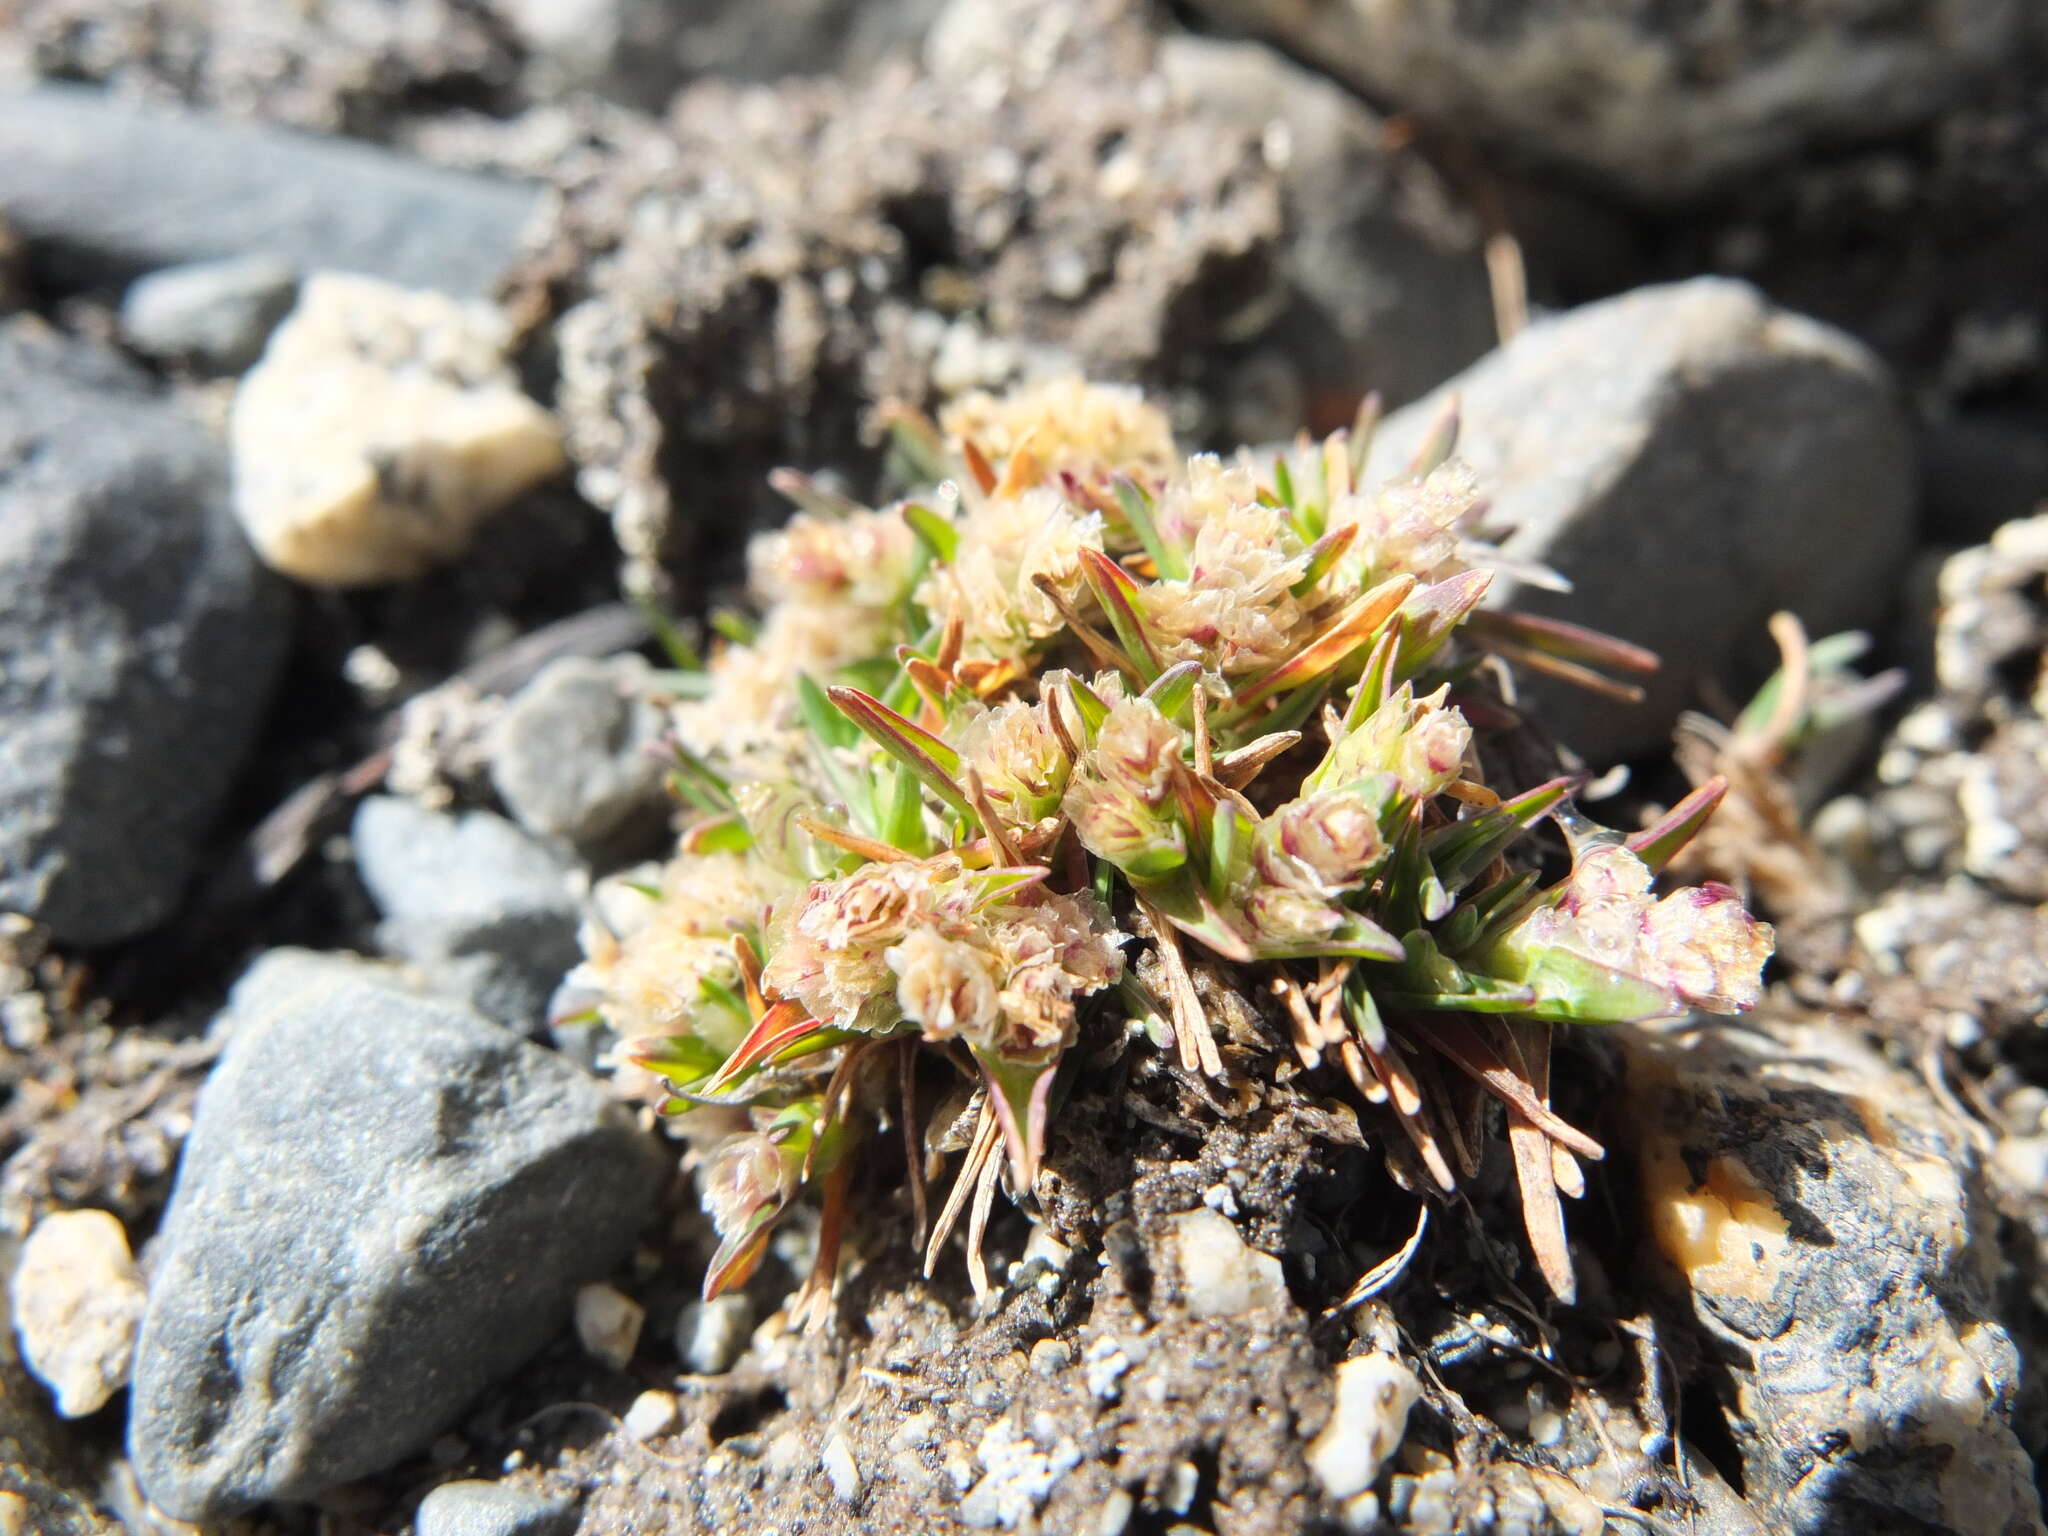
x: 214, y: 315
x: 138, y: 639
x: 476, y: 1508
x: 1821, y: 1220
x: 42, y: 1483
x: 386, y: 1203
x: 380, y: 428
x: 1691, y: 460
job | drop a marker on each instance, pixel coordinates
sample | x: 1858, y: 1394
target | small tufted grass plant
x: 1019, y: 757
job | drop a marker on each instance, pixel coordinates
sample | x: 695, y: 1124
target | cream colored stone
x: 1220, y: 1275
x: 77, y: 1303
x: 1374, y: 1394
x: 608, y: 1324
x: 382, y: 426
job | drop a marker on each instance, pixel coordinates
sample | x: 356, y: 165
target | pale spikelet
x: 1419, y: 743
x: 1053, y: 950
x: 863, y: 560
x: 1698, y: 944
x: 744, y: 1174
x: 1073, y: 426
x: 1327, y: 843
x: 1018, y: 757
x: 1235, y: 611
x: 648, y: 957
x: 1409, y: 526
x: 750, y: 712
x: 947, y: 986
x: 1137, y: 750
x: 830, y: 949
x: 1006, y: 544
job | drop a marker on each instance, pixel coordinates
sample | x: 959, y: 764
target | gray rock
x: 1692, y: 460
x: 1383, y: 261
x: 484, y: 910
x: 477, y: 1508
x: 213, y: 314
x: 103, y: 190
x: 139, y: 639
x: 573, y: 754
x: 1822, y: 1222
x: 386, y: 1203
x: 1660, y: 99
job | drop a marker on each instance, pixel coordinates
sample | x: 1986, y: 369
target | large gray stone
x: 387, y: 1202
x: 1660, y: 97
x: 1692, y: 460
x: 484, y: 910
x: 139, y: 639
x: 103, y: 190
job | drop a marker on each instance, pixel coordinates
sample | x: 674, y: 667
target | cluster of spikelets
x: 1015, y: 759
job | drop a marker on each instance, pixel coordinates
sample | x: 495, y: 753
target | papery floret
x: 1072, y: 425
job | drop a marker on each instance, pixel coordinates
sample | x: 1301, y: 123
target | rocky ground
x: 374, y: 378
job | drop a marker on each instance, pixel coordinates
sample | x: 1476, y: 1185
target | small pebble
x: 1051, y: 1356
x: 1546, y: 1428
x: 1220, y: 1276
x: 652, y: 1413
x: 14, y: 1515
x: 1374, y: 1394
x: 479, y: 1508
x: 608, y: 1324
x: 840, y: 1468
x: 1116, y: 1514
x: 711, y: 1335
x: 78, y: 1304
x: 1183, y: 1481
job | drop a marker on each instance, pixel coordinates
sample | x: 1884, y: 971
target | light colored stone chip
x: 1374, y: 1394
x: 381, y: 427
x: 77, y: 1304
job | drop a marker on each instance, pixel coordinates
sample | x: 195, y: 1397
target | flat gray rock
x: 482, y: 908
x: 387, y: 1202
x: 139, y: 639
x: 1692, y: 460
x: 103, y: 190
